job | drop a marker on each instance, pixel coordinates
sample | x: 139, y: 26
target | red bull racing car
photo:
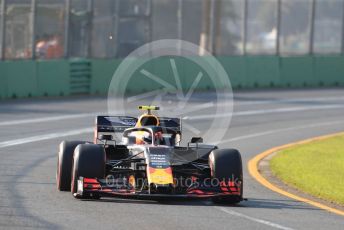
x: 141, y: 158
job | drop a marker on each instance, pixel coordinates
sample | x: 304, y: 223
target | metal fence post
x: 180, y: 24
x: 116, y: 27
x: 211, y: 26
x: 149, y: 14
x: 311, y: 33
x: 2, y: 32
x: 205, y: 27
x: 33, y: 28
x: 343, y: 29
x: 66, y: 29
x: 218, y: 16
x: 90, y: 9
x: 244, y: 30
x: 278, y: 32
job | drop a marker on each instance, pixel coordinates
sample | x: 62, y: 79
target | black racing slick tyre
x: 226, y: 164
x: 88, y: 162
x: 64, y: 164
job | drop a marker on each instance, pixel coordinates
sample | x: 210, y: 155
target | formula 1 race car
x: 147, y: 163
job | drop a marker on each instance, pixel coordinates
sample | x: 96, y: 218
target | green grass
x: 316, y: 168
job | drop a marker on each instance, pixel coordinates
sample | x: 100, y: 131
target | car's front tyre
x: 64, y: 164
x: 225, y: 165
x: 89, y: 162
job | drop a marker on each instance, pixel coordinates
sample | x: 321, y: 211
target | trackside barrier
x: 53, y: 78
x: 21, y: 79
x: 329, y: 71
x: 29, y: 78
x: 102, y: 72
x: 297, y: 72
x: 3, y: 81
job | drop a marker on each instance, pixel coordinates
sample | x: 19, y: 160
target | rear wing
x: 115, y: 125
x: 171, y: 123
x: 112, y: 125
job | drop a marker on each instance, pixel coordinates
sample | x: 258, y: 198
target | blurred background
x: 64, y: 47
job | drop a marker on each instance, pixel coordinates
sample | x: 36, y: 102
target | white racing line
x: 50, y: 118
x: 196, y: 117
x: 296, y: 100
x: 260, y: 221
x: 264, y: 111
x: 44, y: 137
x: 206, y: 116
x: 274, y: 131
x: 60, y: 118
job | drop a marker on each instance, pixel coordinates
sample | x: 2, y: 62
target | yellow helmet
x: 148, y: 119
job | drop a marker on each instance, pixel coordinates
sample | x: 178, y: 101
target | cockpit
x: 150, y: 135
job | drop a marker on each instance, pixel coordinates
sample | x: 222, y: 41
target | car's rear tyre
x: 226, y: 164
x: 64, y: 164
x: 88, y: 162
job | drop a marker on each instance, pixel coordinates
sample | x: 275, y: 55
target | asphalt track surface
x: 30, y: 131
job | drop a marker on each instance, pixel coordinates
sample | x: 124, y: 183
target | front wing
x: 91, y: 187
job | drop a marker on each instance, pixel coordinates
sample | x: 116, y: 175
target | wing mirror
x: 197, y: 140
x: 105, y: 137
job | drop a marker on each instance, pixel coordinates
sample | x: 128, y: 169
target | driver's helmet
x: 142, y: 137
x: 147, y: 120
